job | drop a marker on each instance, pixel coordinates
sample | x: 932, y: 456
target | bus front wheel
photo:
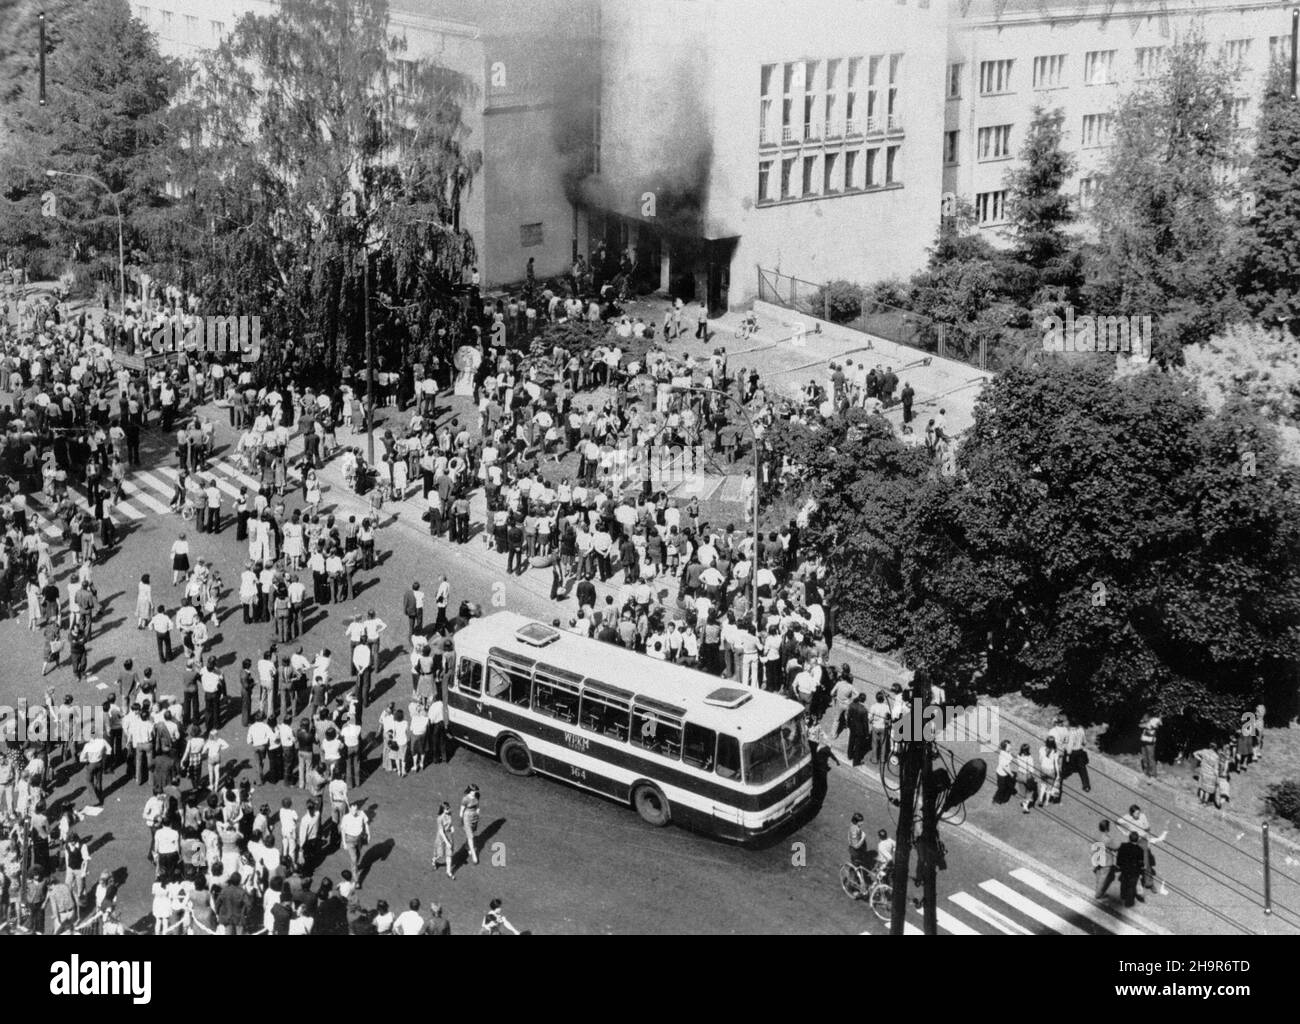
x: 651, y: 805
x: 515, y: 757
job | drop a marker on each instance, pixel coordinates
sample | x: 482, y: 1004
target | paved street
x: 564, y: 860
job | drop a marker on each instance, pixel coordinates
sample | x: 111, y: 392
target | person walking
x: 440, y: 606
x: 469, y: 819
x: 1049, y: 763
x: 1136, y: 822
x: 1104, y: 851
x: 858, y: 719
x: 354, y: 828
x: 413, y: 608
x: 1005, y: 774
x: 1076, y: 757
x: 1026, y: 778
x: 443, y: 844
x: 1150, y: 729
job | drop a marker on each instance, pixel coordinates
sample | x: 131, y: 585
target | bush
x: 840, y: 301
x: 1283, y: 800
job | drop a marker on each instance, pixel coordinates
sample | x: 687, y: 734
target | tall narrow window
x: 954, y: 80
x: 891, y: 164
x: 787, y: 172
x: 851, y: 170
x: 764, y: 181
x: 873, y: 170
x: 833, y: 128
x: 873, y: 99
x: 809, y: 175
x: 830, y: 165
x: 851, y: 124
x: 811, y: 130
x: 950, y: 146
x: 895, y: 118
x: 766, y: 125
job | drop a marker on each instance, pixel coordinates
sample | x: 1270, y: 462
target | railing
x: 787, y: 133
x: 851, y: 128
x: 895, y: 123
x: 834, y: 130
x: 873, y: 126
x: 810, y: 129
x: 893, y: 323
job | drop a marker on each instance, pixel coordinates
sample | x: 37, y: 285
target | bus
x: 675, y: 744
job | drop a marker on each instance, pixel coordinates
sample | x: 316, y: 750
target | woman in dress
x: 293, y: 534
x: 469, y: 819
x: 1049, y: 763
x: 248, y: 593
x: 33, y: 604
x: 180, y: 559
x: 442, y: 837
x: 143, y: 602
x: 311, y: 492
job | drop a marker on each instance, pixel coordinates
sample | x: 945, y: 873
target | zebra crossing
x: 1025, y: 903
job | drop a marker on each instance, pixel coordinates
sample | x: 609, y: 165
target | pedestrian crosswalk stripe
x: 240, y: 477
x: 222, y: 485
x: 161, y: 486
x: 951, y: 924
x: 123, y: 509
x: 911, y: 929
x: 1031, y: 909
x: 136, y: 493
x: 986, y: 913
x: 1077, y: 904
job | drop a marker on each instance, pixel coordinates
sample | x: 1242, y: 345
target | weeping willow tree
x: 308, y: 152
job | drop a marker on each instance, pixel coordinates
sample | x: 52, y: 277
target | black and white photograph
x: 652, y: 468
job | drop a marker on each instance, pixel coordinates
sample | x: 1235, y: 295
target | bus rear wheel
x: 651, y: 805
x: 515, y: 757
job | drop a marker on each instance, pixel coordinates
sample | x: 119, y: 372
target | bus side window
x: 697, y: 747
x: 555, y: 701
x: 728, y: 757
x: 509, y: 684
x: 606, y: 718
x: 661, y: 735
x: 469, y: 677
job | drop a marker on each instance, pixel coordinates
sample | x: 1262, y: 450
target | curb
x: 1121, y: 771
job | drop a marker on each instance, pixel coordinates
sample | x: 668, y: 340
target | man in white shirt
x: 361, y: 666
x: 409, y: 922
x: 259, y: 738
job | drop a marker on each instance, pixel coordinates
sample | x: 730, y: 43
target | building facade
x: 515, y: 58
x: 1007, y: 57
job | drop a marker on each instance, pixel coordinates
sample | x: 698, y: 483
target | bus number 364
x: 578, y: 773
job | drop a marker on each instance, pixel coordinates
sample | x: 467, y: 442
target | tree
x: 1161, y: 212
x: 842, y: 300
x: 1041, y: 212
x: 1257, y: 365
x: 1102, y: 548
x: 1269, y: 275
x: 108, y: 90
x: 310, y: 153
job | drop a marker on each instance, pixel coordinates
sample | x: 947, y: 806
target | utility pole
x: 910, y: 758
x: 1295, y: 40
x: 928, y: 860
x: 370, y: 369
x: 42, y: 92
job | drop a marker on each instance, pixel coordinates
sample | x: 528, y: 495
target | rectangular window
x: 830, y: 164
x: 873, y: 167
x: 728, y: 757
x: 1148, y: 61
x: 851, y: 124
x: 792, y: 82
x: 1087, y: 192
x: 809, y: 176
x: 891, y: 164
x: 787, y: 174
x: 873, y: 95
x: 1240, y: 111
x: 776, y: 753
x: 698, y: 746
x: 656, y: 730
x: 764, y: 181
x: 556, y: 694
x: 510, y: 682
x: 530, y: 235
x: 218, y: 29
x: 851, y: 170
x: 1279, y: 49
x: 950, y: 146
x: 895, y: 118
x: 954, y: 80
x: 990, y: 207
x: 994, y: 143
x: 1049, y: 71
x: 469, y: 677
x: 811, y: 129
x: 995, y: 76
x: 167, y: 19
x: 1096, y: 130
x: 604, y: 712
x: 767, y: 105
x: 1236, y: 51
x: 142, y: 13
x: 1099, y: 67
x: 191, y: 23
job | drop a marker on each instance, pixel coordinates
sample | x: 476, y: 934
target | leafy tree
x: 1040, y: 211
x: 308, y: 156
x: 864, y: 481
x: 1161, y: 212
x: 1258, y: 365
x: 108, y: 90
x: 842, y: 300
x: 1102, y: 548
x: 1269, y: 275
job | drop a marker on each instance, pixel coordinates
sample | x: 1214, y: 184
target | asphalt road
x: 562, y: 859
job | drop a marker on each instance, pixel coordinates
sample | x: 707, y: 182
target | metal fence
x: 893, y: 323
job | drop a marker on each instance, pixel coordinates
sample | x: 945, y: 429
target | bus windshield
x: 776, y: 753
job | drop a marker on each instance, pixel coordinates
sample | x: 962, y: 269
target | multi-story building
x: 1008, y: 57
x: 517, y: 60
x: 820, y: 139
x: 743, y: 133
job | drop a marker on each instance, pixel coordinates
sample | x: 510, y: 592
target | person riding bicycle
x: 858, y: 843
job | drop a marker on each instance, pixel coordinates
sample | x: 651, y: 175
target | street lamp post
x: 121, y: 251
x: 758, y: 468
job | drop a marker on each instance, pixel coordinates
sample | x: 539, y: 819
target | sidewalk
x: 1213, y: 864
